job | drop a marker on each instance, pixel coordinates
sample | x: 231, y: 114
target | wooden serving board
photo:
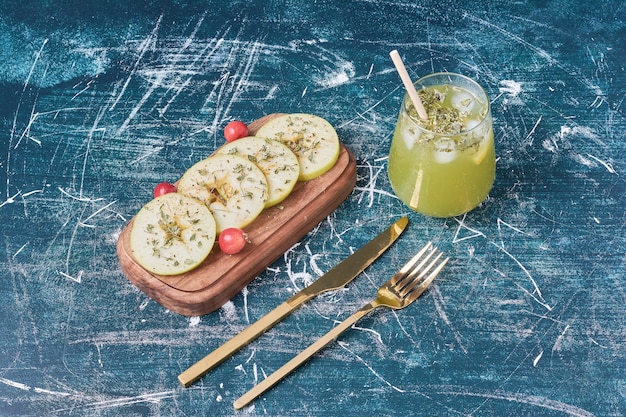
x: 220, y: 277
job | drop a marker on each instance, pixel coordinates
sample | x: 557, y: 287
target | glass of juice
x: 445, y: 165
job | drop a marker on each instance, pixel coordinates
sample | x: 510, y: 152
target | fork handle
x: 303, y: 356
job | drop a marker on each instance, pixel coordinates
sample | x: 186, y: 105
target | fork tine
x: 404, y: 271
x: 412, y: 296
x: 417, y: 276
x: 401, y: 281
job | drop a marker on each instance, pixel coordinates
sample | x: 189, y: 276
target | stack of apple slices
x: 175, y: 232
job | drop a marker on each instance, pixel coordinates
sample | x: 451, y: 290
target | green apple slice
x: 277, y: 162
x: 232, y: 187
x: 172, y: 234
x: 311, y: 138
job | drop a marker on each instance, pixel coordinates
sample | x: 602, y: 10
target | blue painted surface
x: 100, y: 101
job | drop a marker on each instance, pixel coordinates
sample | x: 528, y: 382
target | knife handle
x: 303, y: 356
x: 219, y: 355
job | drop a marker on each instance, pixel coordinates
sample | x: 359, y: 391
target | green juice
x: 444, y: 166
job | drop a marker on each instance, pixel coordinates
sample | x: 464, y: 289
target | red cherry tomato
x: 235, y: 130
x: 164, y: 188
x: 232, y: 240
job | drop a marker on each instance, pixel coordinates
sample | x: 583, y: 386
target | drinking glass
x: 445, y: 166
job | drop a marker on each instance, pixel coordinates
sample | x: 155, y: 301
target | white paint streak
x: 244, y: 292
x: 144, y: 47
x: 532, y: 131
x: 344, y: 72
x: 229, y: 311
x: 607, y: 165
x: 83, y: 223
x: 510, y: 87
x: 144, y: 304
x: 20, y: 250
x: 312, y: 262
x: 503, y: 223
x: 370, y: 368
x: 25, y: 387
x: 152, y: 398
x: 439, y: 305
x: 83, y: 199
x: 153, y: 86
x: 365, y: 329
x: 49, y: 392
x: 78, y: 278
x: 294, y: 277
x: 462, y: 226
x: 537, y: 291
x: 370, y: 190
x: 17, y: 113
x: 559, y: 340
x: 14, y: 384
x: 584, y: 131
x: 533, y: 400
x: 255, y: 373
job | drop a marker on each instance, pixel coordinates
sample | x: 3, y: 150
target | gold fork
x: 402, y: 289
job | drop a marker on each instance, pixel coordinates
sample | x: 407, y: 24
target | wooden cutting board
x: 220, y: 277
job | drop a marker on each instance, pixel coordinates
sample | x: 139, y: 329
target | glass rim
x: 415, y: 120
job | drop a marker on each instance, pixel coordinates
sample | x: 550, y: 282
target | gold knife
x: 336, y: 278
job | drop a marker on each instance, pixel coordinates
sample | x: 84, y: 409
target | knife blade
x: 337, y: 277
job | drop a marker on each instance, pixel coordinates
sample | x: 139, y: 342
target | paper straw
x: 408, y: 84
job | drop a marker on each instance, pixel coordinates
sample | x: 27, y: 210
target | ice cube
x: 462, y: 101
x: 470, y: 124
x: 410, y: 137
x: 444, y: 156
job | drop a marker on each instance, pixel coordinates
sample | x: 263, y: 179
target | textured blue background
x: 100, y: 100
